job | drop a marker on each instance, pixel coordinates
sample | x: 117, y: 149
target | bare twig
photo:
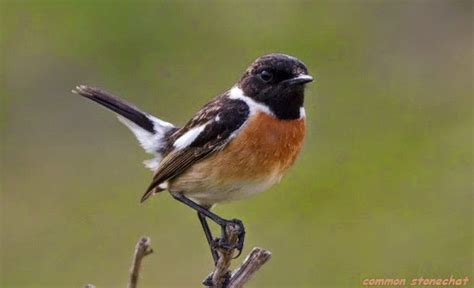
x: 221, y: 274
x: 221, y: 277
x: 254, y: 261
x: 142, y: 249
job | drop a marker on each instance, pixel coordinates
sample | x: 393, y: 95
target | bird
x: 238, y: 144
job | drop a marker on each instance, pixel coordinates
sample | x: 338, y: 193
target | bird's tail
x: 117, y: 105
x: 149, y: 130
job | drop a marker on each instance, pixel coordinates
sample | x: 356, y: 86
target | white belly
x: 207, y: 192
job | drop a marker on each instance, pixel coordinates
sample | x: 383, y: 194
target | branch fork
x: 221, y: 277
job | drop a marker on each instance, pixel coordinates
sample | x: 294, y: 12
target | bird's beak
x: 300, y: 79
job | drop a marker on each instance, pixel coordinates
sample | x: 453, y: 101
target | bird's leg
x: 208, y: 233
x: 219, y: 221
x: 210, y: 240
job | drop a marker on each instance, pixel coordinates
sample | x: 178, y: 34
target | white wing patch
x: 187, y: 138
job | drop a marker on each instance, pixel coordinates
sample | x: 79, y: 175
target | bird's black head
x: 277, y: 81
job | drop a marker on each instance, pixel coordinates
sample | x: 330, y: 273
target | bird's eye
x: 266, y: 75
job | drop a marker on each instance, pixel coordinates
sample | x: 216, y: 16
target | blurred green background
x: 383, y: 187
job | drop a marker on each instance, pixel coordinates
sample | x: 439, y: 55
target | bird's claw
x: 223, y: 242
x: 241, y: 237
x: 220, y: 243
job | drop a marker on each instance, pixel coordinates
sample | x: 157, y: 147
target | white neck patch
x: 237, y: 93
x: 302, y: 113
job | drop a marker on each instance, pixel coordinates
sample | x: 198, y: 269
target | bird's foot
x: 224, y: 243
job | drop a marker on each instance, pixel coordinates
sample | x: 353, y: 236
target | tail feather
x: 149, y: 130
x: 117, y: 105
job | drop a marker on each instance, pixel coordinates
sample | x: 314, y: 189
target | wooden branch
x: 142, y: 249
x: 221, y: 274
x: 222, y: 278
x: 252, y: 263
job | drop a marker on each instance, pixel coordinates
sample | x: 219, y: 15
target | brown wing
x: 222, y: 117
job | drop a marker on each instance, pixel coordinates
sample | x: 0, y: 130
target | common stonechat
x: 238, y: 144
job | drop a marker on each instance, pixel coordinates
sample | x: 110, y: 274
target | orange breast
x: 251, y: 163
x: 265, y: 145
